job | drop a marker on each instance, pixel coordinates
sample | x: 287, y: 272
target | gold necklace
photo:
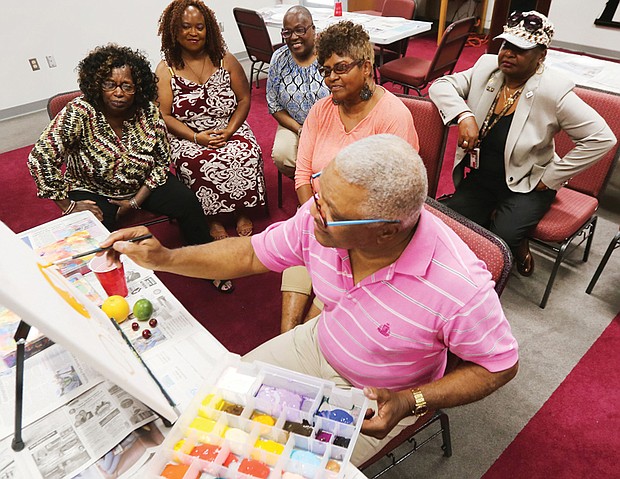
x: 509, y: 100
x: 204, y: 61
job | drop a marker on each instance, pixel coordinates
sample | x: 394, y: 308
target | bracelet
x: 195, y: 140
x: 469, y: 114
x: 299, y: 132
x: 69, y: 209
x: 420, y: 407
x: 134, y: 204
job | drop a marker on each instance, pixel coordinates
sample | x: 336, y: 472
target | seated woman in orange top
x: 356, y: 108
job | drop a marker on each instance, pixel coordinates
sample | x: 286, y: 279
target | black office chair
x: 256, y: 40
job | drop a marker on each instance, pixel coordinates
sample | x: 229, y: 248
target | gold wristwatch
x: 420, y: 408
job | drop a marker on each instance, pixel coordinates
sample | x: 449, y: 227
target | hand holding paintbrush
x: 99, y: 250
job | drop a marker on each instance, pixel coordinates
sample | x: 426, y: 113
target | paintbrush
x: 98, y: 250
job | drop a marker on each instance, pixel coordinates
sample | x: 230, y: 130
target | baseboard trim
x: 589, y: 50
x: 21, y: 110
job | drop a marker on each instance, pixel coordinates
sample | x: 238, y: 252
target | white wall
x: 575, y: 29
x: 69, y: 29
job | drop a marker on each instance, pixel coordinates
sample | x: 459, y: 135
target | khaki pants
x: 284, y: 152
x: 296, y: 279
x: 298, y: 350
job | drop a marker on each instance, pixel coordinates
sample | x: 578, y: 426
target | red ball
x: 146, y: 334
x: 152, y: 322
x: 135, y: 326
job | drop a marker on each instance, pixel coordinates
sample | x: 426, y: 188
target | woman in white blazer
x: 508, y: 108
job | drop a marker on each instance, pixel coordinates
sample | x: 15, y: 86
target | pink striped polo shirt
x: 394, y: 328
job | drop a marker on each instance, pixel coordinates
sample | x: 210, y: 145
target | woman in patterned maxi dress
x: 205, y: 98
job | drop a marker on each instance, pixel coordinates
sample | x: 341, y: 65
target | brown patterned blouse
x: 96, y: 159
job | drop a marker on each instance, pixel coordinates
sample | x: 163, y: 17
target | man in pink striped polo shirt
x: 400, y: 289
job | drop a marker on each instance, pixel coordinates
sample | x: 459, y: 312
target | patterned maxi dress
x: 225, y: 179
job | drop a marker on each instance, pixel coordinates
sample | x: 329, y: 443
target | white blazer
x: 546, y: 106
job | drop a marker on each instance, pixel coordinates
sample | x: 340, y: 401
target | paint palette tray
x: 255, y: 420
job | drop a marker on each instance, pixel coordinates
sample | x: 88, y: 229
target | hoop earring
x: 335, y: 102
x: 366, y: 93
x: 540, y: 68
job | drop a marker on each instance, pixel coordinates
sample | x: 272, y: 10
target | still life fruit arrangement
x: 117, y: 308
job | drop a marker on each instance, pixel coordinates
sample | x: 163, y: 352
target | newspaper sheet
x: 74, y: 420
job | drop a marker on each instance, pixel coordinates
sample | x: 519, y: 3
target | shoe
x: 525, y: 266
x: 244, y: 226
x: 223, y: 285
x: 218, y: 232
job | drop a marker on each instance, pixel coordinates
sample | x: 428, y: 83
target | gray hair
x: 391, y: 172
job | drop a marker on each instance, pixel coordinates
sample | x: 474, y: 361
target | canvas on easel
x: 43, y: 298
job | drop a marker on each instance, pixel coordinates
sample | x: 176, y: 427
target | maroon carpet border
x: 575, y: 434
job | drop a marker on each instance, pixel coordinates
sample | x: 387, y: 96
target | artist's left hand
x: 392, y: 407
x: 541, y: 186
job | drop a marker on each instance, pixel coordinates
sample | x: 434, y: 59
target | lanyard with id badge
x: 474, y: 155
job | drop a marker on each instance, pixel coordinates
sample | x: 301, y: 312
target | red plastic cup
x: 110, y: 275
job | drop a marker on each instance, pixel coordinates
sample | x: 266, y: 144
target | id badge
x: 474, y: 158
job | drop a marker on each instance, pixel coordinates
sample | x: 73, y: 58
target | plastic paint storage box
x: 254, y: 420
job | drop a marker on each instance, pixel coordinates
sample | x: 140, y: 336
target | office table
x: 382, y: 30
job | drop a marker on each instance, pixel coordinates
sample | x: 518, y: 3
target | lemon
x: 143, y: 309
x: 116, y: 307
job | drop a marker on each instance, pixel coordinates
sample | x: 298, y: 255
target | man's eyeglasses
x: 299, y: 31
x: 111, y: 86
x: 339, y: 68
x: 531, y: 22
x: 326, y: 223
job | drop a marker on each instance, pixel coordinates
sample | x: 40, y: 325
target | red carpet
x: 251, y: 315
x: 576, y: 432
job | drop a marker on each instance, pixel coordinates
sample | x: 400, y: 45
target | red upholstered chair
x: 614, y: 244
x: 416, y: 73
x: 58, y: 102
x: 433, y: 135
x: 497, y: 256
x: 256, y: 40
x: 398, y: 49
x: 572, y: 213
x: 134, y: 218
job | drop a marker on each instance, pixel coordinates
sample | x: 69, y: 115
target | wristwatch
x: 420, y: 408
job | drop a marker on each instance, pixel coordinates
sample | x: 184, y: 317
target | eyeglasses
x: 339, y: 68
x: 299, y: 31
x: 326, y: 223
x: 531, y: 22
x: 111, y: 86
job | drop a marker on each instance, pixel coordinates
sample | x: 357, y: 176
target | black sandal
x: 223, y: 285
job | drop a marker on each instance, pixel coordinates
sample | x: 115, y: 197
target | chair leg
x: 279, y: 189
x: 615, y: 243
x: 258, y: 70
x: 588, y: 229
x: 591, y: 229
x: 556, y: 266
x: 252, y: 75
x: 444, y: 420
